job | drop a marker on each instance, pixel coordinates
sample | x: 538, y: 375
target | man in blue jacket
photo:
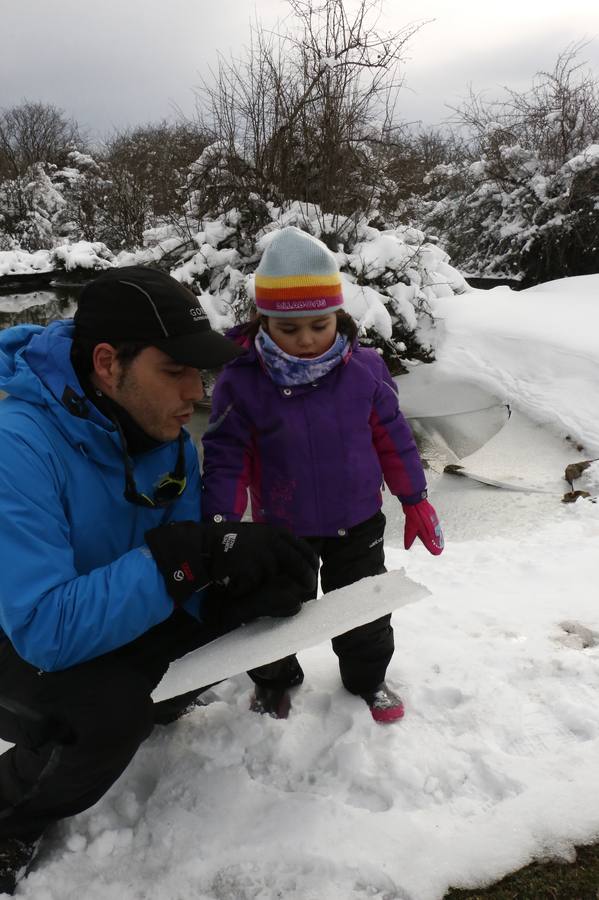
x: 107, y: 572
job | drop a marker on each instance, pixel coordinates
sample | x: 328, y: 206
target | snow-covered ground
x: 495, y: 763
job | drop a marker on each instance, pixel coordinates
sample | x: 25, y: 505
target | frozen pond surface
x: 36, y: 307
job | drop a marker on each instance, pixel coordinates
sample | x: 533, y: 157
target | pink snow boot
x: 385, y: 705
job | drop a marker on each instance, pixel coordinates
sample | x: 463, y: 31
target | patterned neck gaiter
x: 291, y: 370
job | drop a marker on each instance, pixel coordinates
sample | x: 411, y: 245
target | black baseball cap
x: 137, y: 303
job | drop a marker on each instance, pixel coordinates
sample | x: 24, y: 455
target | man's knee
x: 129, y: 720
x: 114, y: 714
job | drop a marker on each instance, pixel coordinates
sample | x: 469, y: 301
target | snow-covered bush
x: 84, y: 188
x: 565, y: 240
x: 30, y: 205
x: 530, y: 224
x: 48, y: 204
x: 524, y: 202
x: 81, y: 255
x: 86, y: 199
x: 390, y: 274
x: 66, y: 257
x: 154, y: 156
x: 21, y: 262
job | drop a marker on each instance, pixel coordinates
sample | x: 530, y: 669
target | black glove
x: 238, y: 556
x: 279, y: 597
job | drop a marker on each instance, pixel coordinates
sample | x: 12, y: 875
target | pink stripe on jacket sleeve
x: 395, y: 445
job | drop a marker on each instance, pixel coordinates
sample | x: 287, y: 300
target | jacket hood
x: 15, y: 376
x: 238, y: 334
x: 35, y: 366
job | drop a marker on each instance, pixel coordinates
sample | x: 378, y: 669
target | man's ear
x: 106, y: 367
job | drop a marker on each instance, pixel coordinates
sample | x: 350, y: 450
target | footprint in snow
x: 577, y: 636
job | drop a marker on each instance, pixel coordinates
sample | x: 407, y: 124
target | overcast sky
x: 125, y: 62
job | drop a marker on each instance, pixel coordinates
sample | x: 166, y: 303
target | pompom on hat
x: 297, y: 276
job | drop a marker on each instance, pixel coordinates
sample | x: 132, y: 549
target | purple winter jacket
x: 313, y: 456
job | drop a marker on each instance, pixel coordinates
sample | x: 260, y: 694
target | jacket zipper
x: 312, y: 463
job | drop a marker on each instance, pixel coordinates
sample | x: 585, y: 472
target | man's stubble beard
x: 144, y: 413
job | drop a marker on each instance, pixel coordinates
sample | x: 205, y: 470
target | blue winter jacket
x: 76, y: 577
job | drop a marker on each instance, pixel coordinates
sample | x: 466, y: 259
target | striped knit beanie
x: 297, y: 276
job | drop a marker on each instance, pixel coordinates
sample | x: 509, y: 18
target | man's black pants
x: 364, y: 652
x: 105, y: 710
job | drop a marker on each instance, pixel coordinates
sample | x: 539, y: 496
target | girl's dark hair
x: 345, y: 325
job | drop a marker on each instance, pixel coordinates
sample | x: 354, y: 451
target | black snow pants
x: 364, y: 652
x: 103, y: 711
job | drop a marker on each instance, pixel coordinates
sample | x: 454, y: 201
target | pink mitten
x: 422, y: 522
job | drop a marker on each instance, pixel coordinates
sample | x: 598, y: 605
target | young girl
x: 309, y: 421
